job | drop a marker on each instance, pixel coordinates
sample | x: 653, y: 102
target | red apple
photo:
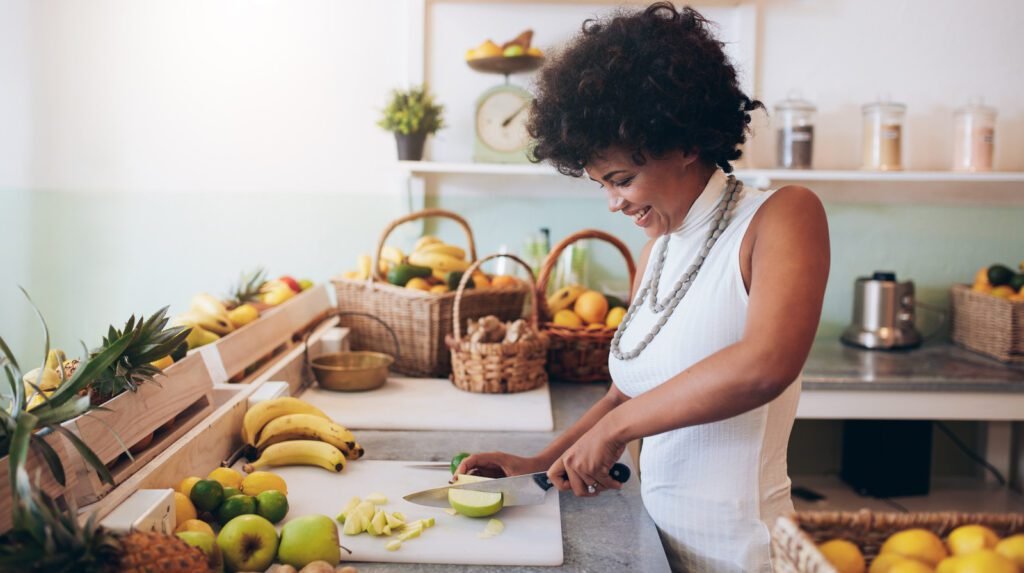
x: 292, y: 283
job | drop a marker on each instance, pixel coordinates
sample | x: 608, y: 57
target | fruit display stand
x: 795, y: 539
x: 243, y: 355
x: 165, y: 410
x: 35, y: 465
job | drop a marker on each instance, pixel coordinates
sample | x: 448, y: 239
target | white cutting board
x: 532, y: 535
x: 435, y: 404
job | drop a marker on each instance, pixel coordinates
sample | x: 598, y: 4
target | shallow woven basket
x: 497, y: 367
x: 990, y: 325
x: 421, y: 320
x: 795, y: 538
x: 578, y: 354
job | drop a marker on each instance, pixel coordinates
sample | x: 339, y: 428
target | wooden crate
x: 69, y: 458
x: 170, y: 408
x: 200, y: 450
x: 251, y: 347
x: 291, y: 366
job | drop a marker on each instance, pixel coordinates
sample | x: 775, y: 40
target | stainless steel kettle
x: 883, y: 313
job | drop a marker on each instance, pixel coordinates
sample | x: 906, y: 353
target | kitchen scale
x: 500, y: 134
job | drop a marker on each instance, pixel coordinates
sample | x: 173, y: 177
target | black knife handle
x: 619, y: 473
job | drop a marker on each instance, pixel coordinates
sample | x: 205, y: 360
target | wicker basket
x: 795, y: 539
x: 497, y: 367
x: 577, y: 354
x: 421, y: 320
x: 990, y: 325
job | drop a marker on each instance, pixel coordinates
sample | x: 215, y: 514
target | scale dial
x: 501, y: 120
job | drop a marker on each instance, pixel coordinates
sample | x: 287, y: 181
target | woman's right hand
x: 500, y: 464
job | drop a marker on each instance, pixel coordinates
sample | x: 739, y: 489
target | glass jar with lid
x: 974, y: 135
x: 795, y: 133
x: 884, y: 135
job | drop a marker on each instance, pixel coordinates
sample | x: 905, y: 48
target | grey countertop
x: 611, y: 532
x: 934, y: 367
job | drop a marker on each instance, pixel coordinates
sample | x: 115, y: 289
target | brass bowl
x: 352, y: 371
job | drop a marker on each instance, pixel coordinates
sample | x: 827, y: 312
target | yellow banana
x: 210, y: 305
x: 424, y: 241
x: 219, y: 325
x: 450, y: 250
x: 306, y: 427
x: 55, y: 358
x: 438, y: 262
x: 300, y: 453
x: 393, y: 255
x: 355, y: 452
x: 365, y: 266
x: 563, y: 298
x: 262, y: 413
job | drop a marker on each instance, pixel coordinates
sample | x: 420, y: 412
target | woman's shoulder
x: 790, y: 203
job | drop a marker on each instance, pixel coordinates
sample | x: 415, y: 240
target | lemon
x: 971, y: 538
x: 439, y: 289
x: 194, y: 525
x: 884, y: 563
x: 905, y: 565
x: 614, y: 318
x: 418, y: 283
x: 183, y: 508
x: 162, y: 363
x: 591, y: 306
x: 1013, y: 549
x: 983, y: 561
x: 843, y: 555
x: 567, y: 318
x: 1003, y: 291
x: 186, y: 484
x: 259, y: 482
x: 226, y: 476
x: 919, y: 544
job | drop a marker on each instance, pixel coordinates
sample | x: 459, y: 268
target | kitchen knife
x: 527, y: 489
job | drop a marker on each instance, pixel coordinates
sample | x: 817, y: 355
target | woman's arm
x: 789, y: 269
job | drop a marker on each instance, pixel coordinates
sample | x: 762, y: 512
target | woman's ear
x: 689, y: 157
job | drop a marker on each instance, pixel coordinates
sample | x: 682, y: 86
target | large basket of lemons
x: 579, y: 321
x: 859, y: 542
x: 414, y: 293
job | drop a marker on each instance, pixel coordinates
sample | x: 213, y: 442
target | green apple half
x: 307, y: 539
x: 248, y: 543
x: 473, y: 503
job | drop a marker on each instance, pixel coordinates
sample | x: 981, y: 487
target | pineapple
x: 247, y: 289
x: 150, y: 341
x: 58, y: 542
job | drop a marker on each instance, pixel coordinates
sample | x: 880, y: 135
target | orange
x: 480, y: 280
x: 981, y: 278
x: 591, y: 306
x: 504, y: 281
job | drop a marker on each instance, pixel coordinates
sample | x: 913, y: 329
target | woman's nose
x: 615, y: 203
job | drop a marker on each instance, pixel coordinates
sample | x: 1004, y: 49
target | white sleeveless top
x: 714, y: 490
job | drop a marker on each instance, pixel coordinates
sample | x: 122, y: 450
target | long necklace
x: 668, y: 306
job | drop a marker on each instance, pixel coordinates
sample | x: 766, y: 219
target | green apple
x: 307, y: 539
x: 208, y: 543
x: 248, y: 543
x: 473, y: 503
x: 513, y: 51
x: 236, y: 505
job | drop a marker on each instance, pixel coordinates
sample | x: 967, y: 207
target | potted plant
x: 412, y: 115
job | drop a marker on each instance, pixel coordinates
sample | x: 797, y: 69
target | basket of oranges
x: 868, y: 542
x: 988, y: 316
x: 580, y: 322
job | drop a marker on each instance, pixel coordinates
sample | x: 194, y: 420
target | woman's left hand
x: 588, y: 462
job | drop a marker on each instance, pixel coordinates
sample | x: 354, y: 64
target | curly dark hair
x: 651, y: 81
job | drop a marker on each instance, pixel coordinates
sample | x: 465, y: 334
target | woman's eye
x: 623, y: 183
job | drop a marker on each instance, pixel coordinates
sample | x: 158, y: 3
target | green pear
x: 307, y: 539
x: 208, y: 544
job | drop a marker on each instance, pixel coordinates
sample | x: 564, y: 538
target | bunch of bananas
x: 289, y: 432
x: 432, y: 266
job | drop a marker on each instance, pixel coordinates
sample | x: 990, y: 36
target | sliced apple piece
x: 376, y: 525
x: 353, y: 524
x: 474, y: 503
x: 493, y: 527
x: 451, y: 511
x: 393, y: 521
x: 386, y: 530
x: 366, y: 509
x: 377, y: 499
x: 352, y: 504
x: 393, y: 545
x: 399, y: 515
x: 410, y: 533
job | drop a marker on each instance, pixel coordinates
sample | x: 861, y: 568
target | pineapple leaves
x: 50, y: 456
x: 21, y: 485
x: 89, y: 370
x: 90, y: 457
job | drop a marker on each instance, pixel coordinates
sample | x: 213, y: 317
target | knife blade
x: 527, y: 489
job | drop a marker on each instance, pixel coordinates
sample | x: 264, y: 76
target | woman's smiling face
x: 656, y: 195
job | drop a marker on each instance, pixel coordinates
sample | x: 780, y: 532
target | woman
x: 706, y: 364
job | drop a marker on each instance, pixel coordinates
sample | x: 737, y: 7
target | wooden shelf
x: 947, y: 494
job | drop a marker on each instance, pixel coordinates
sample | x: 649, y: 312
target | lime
x: 272, y: 505
x: 234, y: 506
x: 458, y: 460
x: 230, y: 492
x: 206, y: 494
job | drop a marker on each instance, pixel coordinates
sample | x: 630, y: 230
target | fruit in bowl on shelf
x: 488, y: 49
x: 513, y: 51
x: 248, y: 543
x: 307, y: 539
x: 1000, y: 281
